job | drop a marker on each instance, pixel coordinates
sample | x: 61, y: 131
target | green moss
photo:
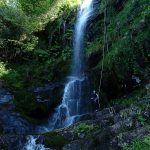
x: 133, y: 99
x: 139, y: 144
x: 55, y: 140
x: 142, y: 120
x: 3, y: 69
x: 20, y: 77
x: 127, y: 38
x: 85, y: 128
x: 95, y: 46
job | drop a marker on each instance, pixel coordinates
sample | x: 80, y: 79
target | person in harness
x: 95, y: 100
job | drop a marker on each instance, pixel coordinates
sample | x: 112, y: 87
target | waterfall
x: 32, y: 145
x: 75, y: 102
x: 85, y: 12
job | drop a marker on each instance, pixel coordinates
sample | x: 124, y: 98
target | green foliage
x: 3, y: 70
x: 30, y: 44
x: 126, y: 102
x: 19, y: 20
x: 35, y: 7
x: 84, y: 128
x: 36, y: 63
x: 139, y: 144
x: 36, y: 48
x: 133, y: 99
x: 54, y: 140
x: 127, y: 32
x: 147, y: 140
x: 122, y: 52
x: 11, y: 77
x: 18, y: 78
x: 25, y: 104
x: 141, y: 119
x: 95, y: 46
x: 25, y: 75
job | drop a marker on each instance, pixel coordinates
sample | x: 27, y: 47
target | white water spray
x: 32, y: 145
x: 84, y: 14
x: 74, y: 103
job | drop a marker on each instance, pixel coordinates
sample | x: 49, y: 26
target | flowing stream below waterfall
x: 32, y: 145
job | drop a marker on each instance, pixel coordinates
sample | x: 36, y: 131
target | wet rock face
x: 119, y: 4
x: 127, y: 137
x: 40, y: 101
x: 93, y: 60
x: 46, y: 97
x: 50, y: 93
x: 6, y: 99
x: 11, y: 122
x: 11, y: 142
x: 146, y: 114
x: 75, y: 145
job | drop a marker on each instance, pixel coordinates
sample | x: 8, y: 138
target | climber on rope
x: 95, y: 100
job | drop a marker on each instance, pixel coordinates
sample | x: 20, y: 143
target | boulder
x: 128, y: 137
x: 75, y: 145
x: 6, y: 99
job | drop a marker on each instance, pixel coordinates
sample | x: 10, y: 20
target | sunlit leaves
x: 35, y: 7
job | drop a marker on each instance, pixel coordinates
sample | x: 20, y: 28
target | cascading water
x: 85, y: 12
x: 32, y: 145
x: 75, y: 101
x: 72, y: 104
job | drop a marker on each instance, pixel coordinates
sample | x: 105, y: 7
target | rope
x: 103, y: 53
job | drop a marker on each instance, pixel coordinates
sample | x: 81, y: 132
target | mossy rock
x: 29, y: 108
x: 85, y: 129
x: 55, y: 140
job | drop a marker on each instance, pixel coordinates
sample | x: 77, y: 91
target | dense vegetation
x: 122, y: 30
x: 36, y: 39
x: 34, y: 46
x: 36, y: 42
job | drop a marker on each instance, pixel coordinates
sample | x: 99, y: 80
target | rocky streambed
x: 109, y: 129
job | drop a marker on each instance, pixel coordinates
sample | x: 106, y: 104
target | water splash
x: 32, y: 145
x: 69, y: 110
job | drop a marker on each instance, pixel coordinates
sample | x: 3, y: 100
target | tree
x: 35, y: 7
